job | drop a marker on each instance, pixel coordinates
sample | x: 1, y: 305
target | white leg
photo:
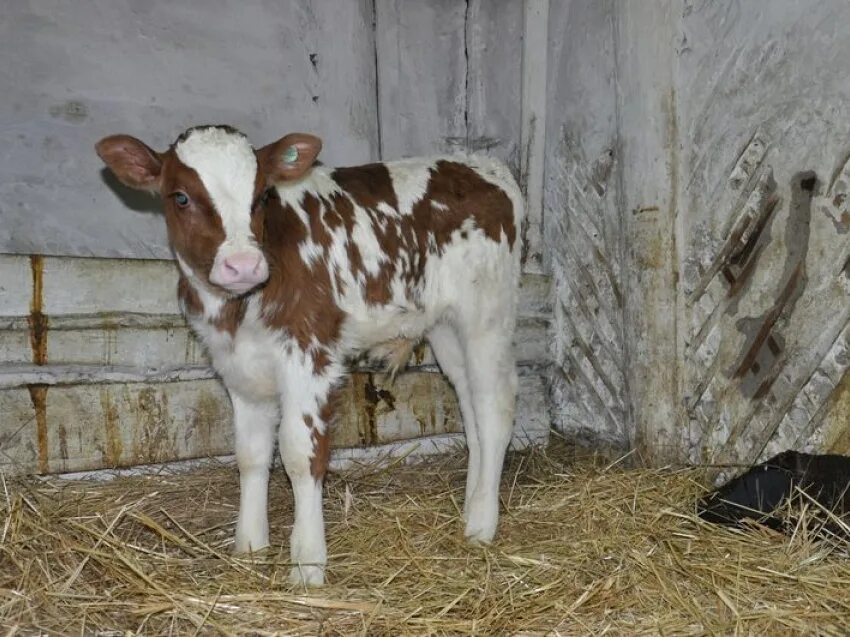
x: 452, y: 359
x: 304, y: 449
x: 307, y: 542
x: 254, y: 425
x: 493, y: 381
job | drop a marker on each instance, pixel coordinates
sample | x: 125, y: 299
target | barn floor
x: 583, y: 550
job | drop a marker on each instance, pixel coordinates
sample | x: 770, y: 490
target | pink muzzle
x: 240, y: 272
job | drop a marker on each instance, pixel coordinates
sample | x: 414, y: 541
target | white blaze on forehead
x: 227, y: 166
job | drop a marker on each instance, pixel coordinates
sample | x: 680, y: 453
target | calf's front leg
x: 304, y: 447
x: 254, y: 425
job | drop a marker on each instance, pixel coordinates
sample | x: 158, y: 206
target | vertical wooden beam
x: 494, y: 78
x: 421, y: 75
x: 533, y: 131
x: 582, y: 233
x: 648, y: 156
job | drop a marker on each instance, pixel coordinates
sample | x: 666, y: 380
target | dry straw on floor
x: 583, y: 549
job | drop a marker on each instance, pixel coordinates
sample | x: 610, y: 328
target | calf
x: 288, y: 268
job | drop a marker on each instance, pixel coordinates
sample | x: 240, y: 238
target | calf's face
x: 215, y: 187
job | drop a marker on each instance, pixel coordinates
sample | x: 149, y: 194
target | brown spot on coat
x: 322, y: 441
x: 368, y: 185
x: 321, y: 454
x: 321, y: 359
x: 467, y: 195
x: 318, y: 232
x: 195, y: 232
x: 297, y: 298
x: 229, y: 318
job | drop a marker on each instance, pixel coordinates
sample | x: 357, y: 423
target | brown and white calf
x: 289, y: 267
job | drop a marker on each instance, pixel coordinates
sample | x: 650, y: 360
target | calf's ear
x: 290, y: 157
x: 133, y: 163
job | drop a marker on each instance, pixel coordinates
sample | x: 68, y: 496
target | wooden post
x: 533, y: 133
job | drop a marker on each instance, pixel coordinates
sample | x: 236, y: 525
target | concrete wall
x: 92, y: 377
x: 696, y: 224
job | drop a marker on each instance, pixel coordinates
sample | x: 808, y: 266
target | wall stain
x: 111, y: 424
x: 109, y: 339
x: 370, y: 393
x: 763, y: 352
x: 38, y: 396
x: 37, y: 320
x: 205, y: 417
x: 72, y: 111
x: 836, y: 436
x: 842, y: 222
x: 63, y: 444
x: 374, y: 395
x: 155, y: 443
x: 742, y: 263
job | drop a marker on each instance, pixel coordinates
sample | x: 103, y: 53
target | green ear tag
x: 290, y: 155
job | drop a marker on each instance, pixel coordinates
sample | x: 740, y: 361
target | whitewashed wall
x: 696, y: 220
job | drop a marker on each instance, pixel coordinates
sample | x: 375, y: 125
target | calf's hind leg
x: 493, y: 381
x: 451, y: 357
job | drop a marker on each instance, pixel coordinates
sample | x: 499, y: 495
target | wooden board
x: 582, y: 228
x: 494, y: 31
x: 420, y: 52
x: 765, y: 184
x: 93, y: 423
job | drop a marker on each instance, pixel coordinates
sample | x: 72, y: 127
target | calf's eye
x: 181, y: 199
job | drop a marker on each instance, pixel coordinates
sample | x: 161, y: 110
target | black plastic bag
x: 761, y: 491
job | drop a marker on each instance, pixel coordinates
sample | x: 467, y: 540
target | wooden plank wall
x: 697, y: 189
x: 74, y: 72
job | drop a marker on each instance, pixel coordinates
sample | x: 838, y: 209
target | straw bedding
x: 584, y: 548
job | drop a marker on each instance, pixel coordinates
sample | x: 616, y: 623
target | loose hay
x: 583, y: 549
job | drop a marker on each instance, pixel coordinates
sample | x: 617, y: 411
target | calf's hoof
x: 481, y: 522
x: 307, y: 575
x: 244, y: 545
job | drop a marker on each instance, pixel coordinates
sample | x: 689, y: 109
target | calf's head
x: 215, y: 188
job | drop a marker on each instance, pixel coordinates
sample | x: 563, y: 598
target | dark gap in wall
x: 377, y: 81
x: 466, y: 73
